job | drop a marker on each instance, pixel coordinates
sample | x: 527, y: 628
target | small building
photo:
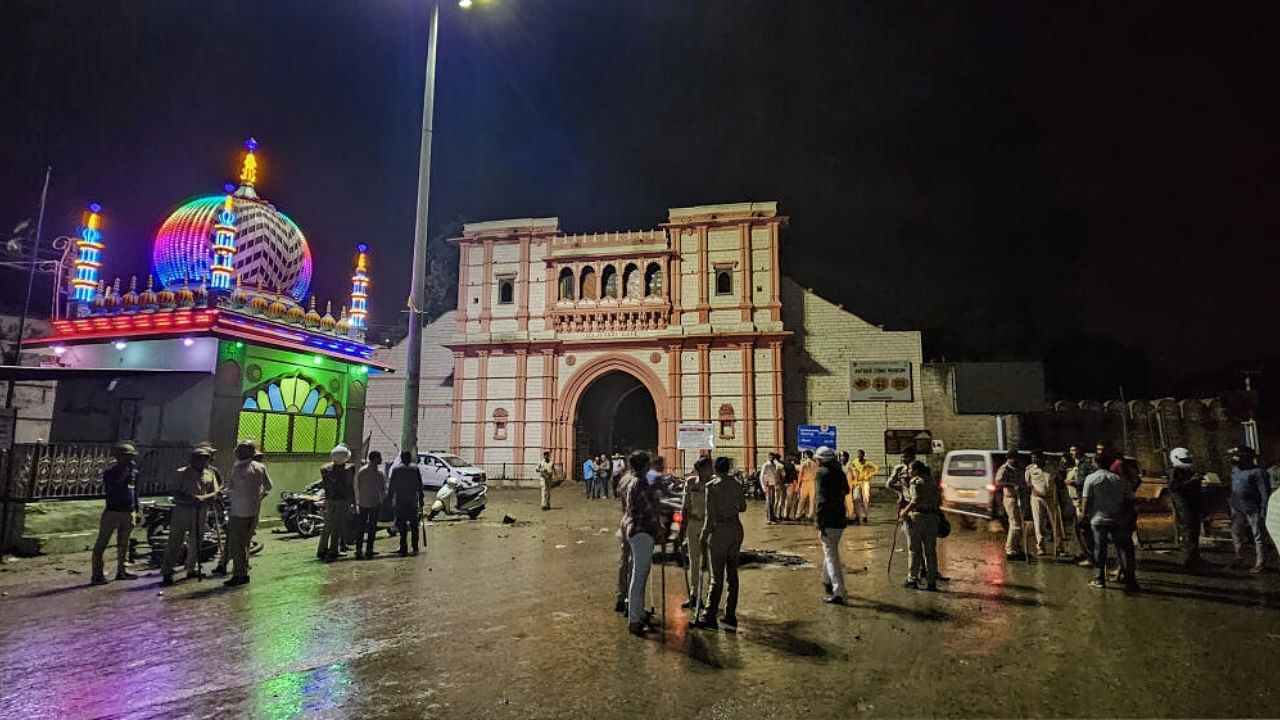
x: 222, y: 341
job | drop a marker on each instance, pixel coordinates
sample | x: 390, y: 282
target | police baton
x: 893, y: 548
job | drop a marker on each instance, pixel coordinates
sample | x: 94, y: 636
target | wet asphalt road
x: 499, y: 621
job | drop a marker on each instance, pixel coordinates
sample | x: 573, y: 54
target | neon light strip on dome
x: 89, y: 260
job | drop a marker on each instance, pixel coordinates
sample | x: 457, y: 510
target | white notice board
x: 880, y: 381
x: 695, y: 436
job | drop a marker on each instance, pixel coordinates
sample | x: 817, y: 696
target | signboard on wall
x: 999, y: 388
x: 812, y: 437
x: 880, y: 381
x: 897, y: 441
x: 695, y: 436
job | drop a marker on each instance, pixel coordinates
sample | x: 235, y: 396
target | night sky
x: 1090, y: 184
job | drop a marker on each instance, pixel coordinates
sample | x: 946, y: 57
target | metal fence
x: 73, y: 471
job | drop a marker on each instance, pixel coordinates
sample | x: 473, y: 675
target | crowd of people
x: 1088, y: 499
x: 357, y: 498
x: 1096, y: 496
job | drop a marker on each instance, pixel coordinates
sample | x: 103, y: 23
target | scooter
x: 459, y: 497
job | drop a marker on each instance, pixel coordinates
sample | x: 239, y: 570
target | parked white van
x: 969, y: 483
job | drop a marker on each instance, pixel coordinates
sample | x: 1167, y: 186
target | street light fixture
x: 417, y: 286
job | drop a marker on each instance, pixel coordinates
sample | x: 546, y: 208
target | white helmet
x: 1180, y: 457
x: 340, y: 453
x: 824, y: 454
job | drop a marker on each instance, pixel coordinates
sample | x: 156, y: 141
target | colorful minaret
x: 360, y: 290
x: 224, y: 244
x: 88, y: 258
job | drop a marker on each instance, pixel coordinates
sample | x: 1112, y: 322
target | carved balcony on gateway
x: 611, y: 296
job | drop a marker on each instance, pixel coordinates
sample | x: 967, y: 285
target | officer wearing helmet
x: 1185, y: 487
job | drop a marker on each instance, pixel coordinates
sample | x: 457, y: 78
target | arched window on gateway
x: 566, y: 284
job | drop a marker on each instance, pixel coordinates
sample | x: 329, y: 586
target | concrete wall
x: 959, y: 432
x: 816, y: 372
x: 33, y: 400
x: 384, y: 403
x: 164, y: 409
x: 1153, y: 427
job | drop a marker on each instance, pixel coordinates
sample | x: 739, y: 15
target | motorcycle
x: 156, y: 521
x: 303, y: 512
x: 459, y: 497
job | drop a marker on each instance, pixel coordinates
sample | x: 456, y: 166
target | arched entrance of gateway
x: 615, y: 414
x: 614, y: 404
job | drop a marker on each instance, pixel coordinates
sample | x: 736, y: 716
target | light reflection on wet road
x: 497, y: 621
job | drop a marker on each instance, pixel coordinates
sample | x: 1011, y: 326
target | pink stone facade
x: 690, y: 309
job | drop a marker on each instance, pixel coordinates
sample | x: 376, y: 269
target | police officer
x: 545, y: 470
x: 195, y: 487
x: 1012, y: 482
x: 722, y: 535
x: 692, y: 507
x: 1185, y: 486
x: 119, y: 483
x: 921, y: 518
x: 1084, y: 467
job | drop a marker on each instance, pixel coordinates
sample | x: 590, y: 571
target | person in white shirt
x: 771, y: 480
x: 248, y: 485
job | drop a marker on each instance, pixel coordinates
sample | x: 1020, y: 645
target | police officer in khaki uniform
x: 194, y: 488
x: 921, y: 517
x: 692, y: 508
x: 722, y: 535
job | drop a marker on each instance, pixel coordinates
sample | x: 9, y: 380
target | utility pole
x: 417, y: 286
x: 16, y: 357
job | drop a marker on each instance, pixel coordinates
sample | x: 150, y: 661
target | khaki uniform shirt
x: 193, y: 482
x: 725, y: 501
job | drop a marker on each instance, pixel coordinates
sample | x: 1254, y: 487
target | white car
x: 437, y: 467
x: 969, y: 483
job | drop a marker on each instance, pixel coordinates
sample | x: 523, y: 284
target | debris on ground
x: 508, y: 520
x: 769, y: 557
x: 561, y: 547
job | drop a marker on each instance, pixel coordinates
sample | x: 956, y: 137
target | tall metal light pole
x: 417, y: 286
x: 31, y: 279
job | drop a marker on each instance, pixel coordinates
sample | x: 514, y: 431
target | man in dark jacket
x: 339, y: 482
x: 829, y: 515
x: 1184, y: 487
x: 1250, y: 489
x: 121, y: 511
x: 405, y: 495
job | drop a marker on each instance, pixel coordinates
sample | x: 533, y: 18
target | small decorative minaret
x: 89, y: 249
x: 360, y: 291
x: 224, y: 241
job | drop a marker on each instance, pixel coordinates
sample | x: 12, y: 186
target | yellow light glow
x: 249, y: 170
x: 93, y: 222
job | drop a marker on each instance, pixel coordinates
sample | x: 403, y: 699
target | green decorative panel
x: 304, y: 434
x: 327, y: 434
x: 275, y: 433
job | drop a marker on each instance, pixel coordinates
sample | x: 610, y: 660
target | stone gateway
x: 604, y: 342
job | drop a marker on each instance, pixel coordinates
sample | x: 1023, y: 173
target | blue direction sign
x: 812, y: 437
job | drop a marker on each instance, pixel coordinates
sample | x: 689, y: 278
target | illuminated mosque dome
x: 270, y: 248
